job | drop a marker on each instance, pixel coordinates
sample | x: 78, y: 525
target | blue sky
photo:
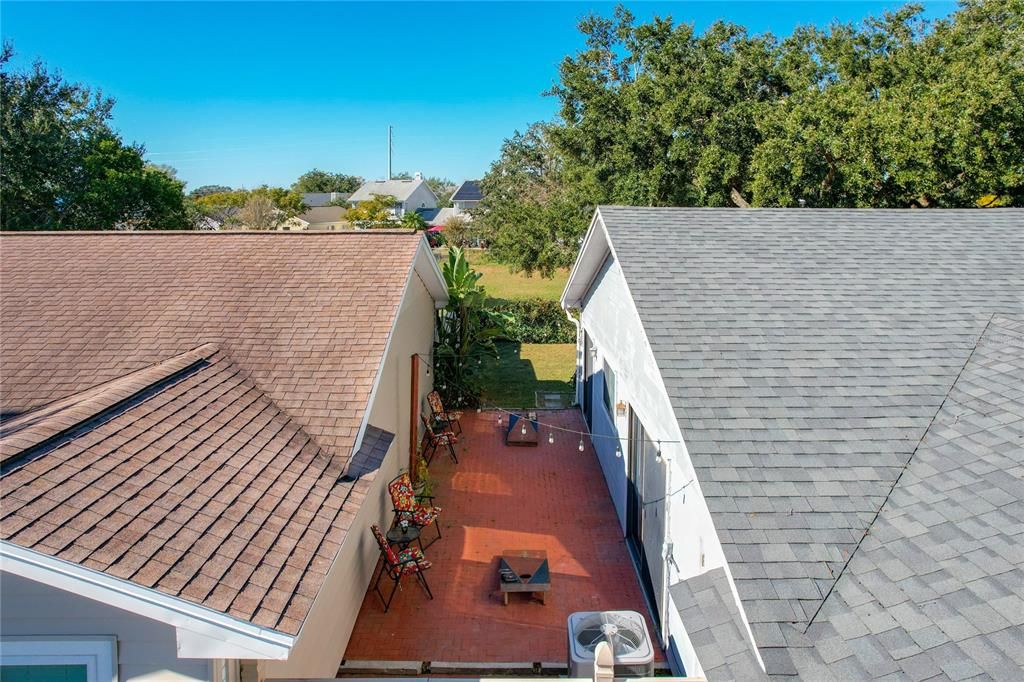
x: 249, y: 93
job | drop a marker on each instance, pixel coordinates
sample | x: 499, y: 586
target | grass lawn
x: 523, y: 368
x: 502, y: 284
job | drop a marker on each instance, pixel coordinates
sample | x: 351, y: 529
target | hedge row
x: 537, y: 320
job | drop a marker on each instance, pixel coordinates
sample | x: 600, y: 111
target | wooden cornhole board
x: 515, y: 435
x: 530, y: 568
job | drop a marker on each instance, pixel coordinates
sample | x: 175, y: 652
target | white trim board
x: 202, y: 632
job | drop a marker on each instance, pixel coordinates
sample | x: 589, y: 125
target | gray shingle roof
x: 399, y: 189
x: 715, y: 627
x: 323, y: 214
x: 806, y: 352
x: 320, y: 199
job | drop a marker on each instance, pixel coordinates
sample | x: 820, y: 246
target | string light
x: 581, y: 445
x: 618, y: 450
x: 523, y: 430
x: 657, y: 456
x: 551, y: 438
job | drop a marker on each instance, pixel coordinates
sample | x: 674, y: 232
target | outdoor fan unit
x: 626, y: 634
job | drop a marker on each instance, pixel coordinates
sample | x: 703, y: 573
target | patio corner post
x: 414, y: 415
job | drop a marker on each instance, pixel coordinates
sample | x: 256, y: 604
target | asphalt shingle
x: 808, y: 355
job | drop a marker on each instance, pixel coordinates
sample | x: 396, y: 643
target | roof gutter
x: 201, y: 632
x: 574, y: 291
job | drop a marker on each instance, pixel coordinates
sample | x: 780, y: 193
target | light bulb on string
x: 523, y: 430
x: 618, y: 450
x: 581, y: 445
x: 657, y: 455
x: 551, y: 438
x: 499, y: 419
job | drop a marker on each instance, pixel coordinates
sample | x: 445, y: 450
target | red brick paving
x: 550, y: 497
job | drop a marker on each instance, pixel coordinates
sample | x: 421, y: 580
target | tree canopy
x: 894, y: 112
x: 377, y: 212
x: 262, y: 208
x: 318, y: 180
x: 65, y: 168
x: 204, y: 190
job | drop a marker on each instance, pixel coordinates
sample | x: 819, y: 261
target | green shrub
x: 536, y: 320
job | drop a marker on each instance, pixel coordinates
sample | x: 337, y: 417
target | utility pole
x: 390, y: 149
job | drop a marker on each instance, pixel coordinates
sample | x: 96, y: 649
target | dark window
x: 609, y: 390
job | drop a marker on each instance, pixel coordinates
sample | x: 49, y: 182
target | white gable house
x: 410, y: 195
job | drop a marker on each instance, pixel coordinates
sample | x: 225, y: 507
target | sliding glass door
x: 645, y: 512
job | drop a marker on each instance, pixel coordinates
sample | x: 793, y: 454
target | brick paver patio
x: 550, y: 497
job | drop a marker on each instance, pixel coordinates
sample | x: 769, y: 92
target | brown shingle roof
x: 307, y: 314
x: 201, y: 488
x: 31, y: 429
x: 185, y: 405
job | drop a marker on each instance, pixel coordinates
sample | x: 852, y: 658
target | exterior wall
x: 461, y: 206
x: 690, y: 546
x: 146, y: 649
x: 421, y: 197
x: 321, y: 644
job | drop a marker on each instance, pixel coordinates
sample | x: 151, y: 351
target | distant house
x: 467, y: 197
x: 440, y: 217
x: 810, y: 423
x: 318, y: 199
x: 319, y: 218
x: 410, y: 195
x: 197, y: 432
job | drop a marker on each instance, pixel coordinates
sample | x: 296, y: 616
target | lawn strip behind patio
x: 522, y: 369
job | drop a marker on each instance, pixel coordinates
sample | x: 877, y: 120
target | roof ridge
x: 32, y: 429
x: 903, y: 470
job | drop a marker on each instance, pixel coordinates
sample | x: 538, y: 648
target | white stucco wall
x: 146, y: 649
x: 321, y: 643
x: 610, y: 318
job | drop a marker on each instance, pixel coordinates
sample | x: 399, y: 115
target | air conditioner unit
x: 626, y: 634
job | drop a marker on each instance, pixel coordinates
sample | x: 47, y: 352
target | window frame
x: 609, y: 389
x: 97, y: 653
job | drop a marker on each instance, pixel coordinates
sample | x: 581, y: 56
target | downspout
x: 579, y: 360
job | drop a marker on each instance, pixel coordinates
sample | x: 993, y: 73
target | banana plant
x: 466, y: 329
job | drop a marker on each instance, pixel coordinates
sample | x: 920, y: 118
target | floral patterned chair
x: 409, y: 507
x: 447, y: 419
x: 434, y: 439
x: 409, y: 561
